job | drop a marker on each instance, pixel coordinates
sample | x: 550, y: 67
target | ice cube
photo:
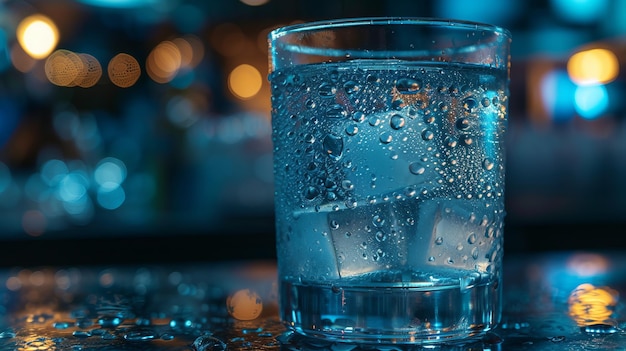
x: 314, y: 259
x: 451, y: 234
x: 372, y: 237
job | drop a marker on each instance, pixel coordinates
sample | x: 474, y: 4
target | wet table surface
x: 552, y: 301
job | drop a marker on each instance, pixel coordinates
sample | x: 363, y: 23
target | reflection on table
x: 552, y: 301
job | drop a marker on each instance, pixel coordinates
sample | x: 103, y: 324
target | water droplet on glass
x: 334, y: 224
x: 359, y: 116
x: 311, y: 193
x: 326, y: 90
x: 427, y: 135
x: 397, y: 122
x: 469, y: 104
x: 466, y: 139
x: 488, y: 164
x: 431, y: 259
x: 471, y: 239
x: 450, y: 142
x: 385, y: 138
x: 417, y: 168
x: 485, y: 102
x: 336, y: 111
x: 346, y: 184
x: 374, y: 121
x: 309, y: 138
x: 439, y: 240
x: 352, y: 129
x: 408, y: 85
x: 351, y: 87
x: 462, y: 124
x: 333, y: 145
x: 475, y: 253
x: 310, y: 104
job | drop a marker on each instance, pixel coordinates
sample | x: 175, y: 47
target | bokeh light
x: 245, y: 81
x: 38, y: 35
x: 590, y: 305
x: 244, y: 305
x: 69, y: 69
x: 591, y: 101
x: 163, y: 62
x: 557, y: 95
x: 123, y: 70
x: 595, y: 66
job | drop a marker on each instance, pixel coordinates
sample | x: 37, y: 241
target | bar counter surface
x: 552, y: 301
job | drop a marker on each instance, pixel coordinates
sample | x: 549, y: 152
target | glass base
x: 390, y: 314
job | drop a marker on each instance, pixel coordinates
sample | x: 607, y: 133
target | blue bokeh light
x: 591, y: 101
x: 110, y: 173
x: 580, y: 11
x: 557, y: 92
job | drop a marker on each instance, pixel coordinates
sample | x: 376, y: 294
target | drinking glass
x: 389, y: 167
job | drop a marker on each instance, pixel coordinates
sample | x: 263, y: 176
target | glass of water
x: 389, y: 167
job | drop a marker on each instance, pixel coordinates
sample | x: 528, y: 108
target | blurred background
x: 139, y: 130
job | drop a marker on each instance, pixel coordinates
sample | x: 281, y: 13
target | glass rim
x: 386, y: 20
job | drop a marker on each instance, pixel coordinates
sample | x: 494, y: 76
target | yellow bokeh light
x: 595, y: 66
x: 37, y: 35
x: 590, y: 305
x: 163, y: 62
x: 245, y: 81
x: 244, y: 305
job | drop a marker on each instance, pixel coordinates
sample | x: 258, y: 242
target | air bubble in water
x: 378, y: 221
x: 381, y: 236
